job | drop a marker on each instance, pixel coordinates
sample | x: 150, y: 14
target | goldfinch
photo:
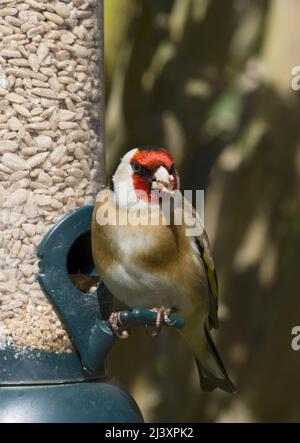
x: 158, y: 266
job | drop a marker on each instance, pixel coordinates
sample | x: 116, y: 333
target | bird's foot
x: 162, y: 314
x: 118, y: 326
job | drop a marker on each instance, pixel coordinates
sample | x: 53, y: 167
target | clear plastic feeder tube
x: 51, y: 150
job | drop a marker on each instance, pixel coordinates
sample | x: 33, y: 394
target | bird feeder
x: 54, y: 337
x: 52, y: 365
x: 41, y: 386
x: 51, y: 149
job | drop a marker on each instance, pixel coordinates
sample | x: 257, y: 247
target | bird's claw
x: 161, y: 313
x: 162, y: 317
x: 118, y: 326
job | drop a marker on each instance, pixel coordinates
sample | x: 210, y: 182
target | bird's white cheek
x: 125, y: 193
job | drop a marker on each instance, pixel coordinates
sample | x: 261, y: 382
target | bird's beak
x: 162, y: 180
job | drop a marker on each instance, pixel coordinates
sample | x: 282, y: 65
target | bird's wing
x: 201, y: 243
x: 208, y: 262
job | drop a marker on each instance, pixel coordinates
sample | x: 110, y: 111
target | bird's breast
x: 139, y: 276
x: 147, y: 266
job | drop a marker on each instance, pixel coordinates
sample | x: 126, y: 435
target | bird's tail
x: 212, y: 372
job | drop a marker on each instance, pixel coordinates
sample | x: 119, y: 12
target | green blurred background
x: 210, y: 80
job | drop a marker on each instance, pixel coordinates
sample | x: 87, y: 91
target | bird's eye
x: 136, y: 167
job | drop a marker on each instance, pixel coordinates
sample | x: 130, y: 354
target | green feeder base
x: 88, y: 402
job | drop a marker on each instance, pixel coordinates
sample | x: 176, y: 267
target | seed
x: 8, y: 146
x: 39, y: 126
x: 18, y: 89
x: 43, y: 142
x: 34, y: 62
x: 45, y: 179
x: 8, y: 11
x: 9, y: 135
x: 44, y: 92
x: 72, y: 182
x: 37, y: 31
x: 43, y: 200
x: 37, y: 159
x: 76, y: 172
x: 17, y: 176
x: 37, y: 111
x: 15, y: 98
x: 65, y: 80
x: 62, y: 9
x: 42, y: 52
x: 21, y: 110
x: 19, y: 62
x: 31, y: 208
x: 14, y: 124
x: 14, y: 162
x: 67, y: 125
x: 36, y: 5
x: 73, y: 87
x: 54, y: 18
x: 62, y: 55
x: 28, y: 152
x: 66, y: 115
x: 9, y: 53
x: 54, y: 84
x: 27, y: 270
x: 5, y: 30
x: 57, y: 154
x: 55, y: 204
x: 67, y: 38
x: 29, y: 228
x: 39, y: 84
x: 16, y: 198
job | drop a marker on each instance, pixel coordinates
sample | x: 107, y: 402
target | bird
x: 157, y: 266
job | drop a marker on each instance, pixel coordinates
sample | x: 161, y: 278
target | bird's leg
x: 117, y: 326
x: 164, y: 313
